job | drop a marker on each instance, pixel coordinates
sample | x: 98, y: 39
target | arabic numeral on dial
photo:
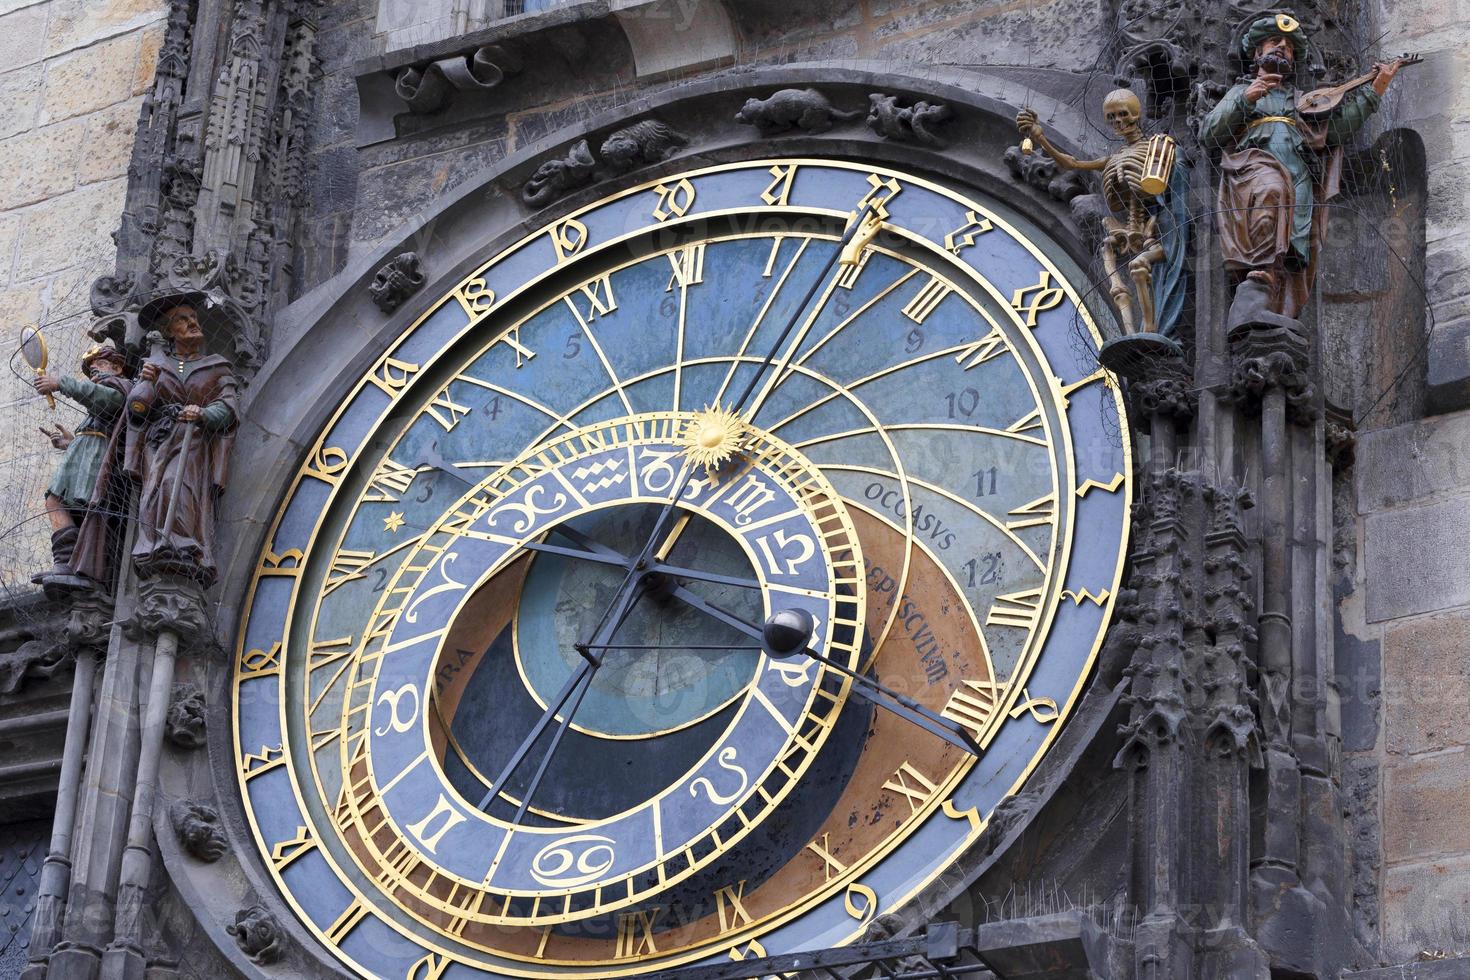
x: 574, y: 347
x: 983, y: 570
x: 962, y: 404
x: 985, y: 481
x: 913, y: 341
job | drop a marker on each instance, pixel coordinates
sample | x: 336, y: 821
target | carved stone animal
x: 915, y: 123
x: 555, y: 177
x: 793, y: 108
x: 199, y: 830
x: 649, y: 141
x: 259, y: 935
x: 184, y: 725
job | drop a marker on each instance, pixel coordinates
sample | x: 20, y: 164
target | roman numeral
x: 730, y: 904
x: 446, y: 411
x: 1018, y: 609
x: 389, y: 483
x: 431, y: 967
x: 600, y: 300
x: 512, y: 339
x: 913, y: 786
x: 635, y: 933
x: 347, y: 566
x: 973, y: 705
x: 830, y: 865
x: 1026, y: 423
x: 688, y: 266
x: 990, y: 346
x: 926, y: 299
x: 1039, y: 511
x: 346, y: 922
x: 289, y: 850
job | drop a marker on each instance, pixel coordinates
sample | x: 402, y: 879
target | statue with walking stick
x: 175, y: 434
x: 1143, y: 244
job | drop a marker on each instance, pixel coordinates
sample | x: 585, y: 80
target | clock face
x: 506, y: 702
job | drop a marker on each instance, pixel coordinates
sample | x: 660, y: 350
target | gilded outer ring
x: 277, y: 565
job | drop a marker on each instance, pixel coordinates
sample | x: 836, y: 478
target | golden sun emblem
x: 712, y: 436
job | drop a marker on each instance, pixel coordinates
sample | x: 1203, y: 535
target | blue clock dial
x: 505, y: 703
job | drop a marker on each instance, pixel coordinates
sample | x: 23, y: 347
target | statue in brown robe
x: 175, y: 439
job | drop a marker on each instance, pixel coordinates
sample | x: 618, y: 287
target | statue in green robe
x: 1278, y: 165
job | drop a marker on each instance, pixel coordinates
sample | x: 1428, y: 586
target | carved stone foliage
x: 641, y: 144
x: 1186, y: 621
x: 398, y: 279
x: 1172, y: 396
x: 1039, y: 170
x: 1342, y: 444
x: 184, y: 725
x: 259, y: 934
x: 805, y: 109
x: 199, y: 830
x: 917, y: 122
x: 172, y: 604
x: 430, y: 87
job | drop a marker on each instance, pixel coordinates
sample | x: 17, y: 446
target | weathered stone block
x: 1415, y: 559
x: 1426, y: 907
x: 70, y: 230
x: 20, y: 99
x: 78, y: 23
x: 1409, y: 463
x: 1425, y: 800
x: 21, y: 304
x: 1427, y: 685
x: 1449, y: 367
x: 39, y: 164
x: 90, y: 79
x: 21, y: 36
x: 149, y: 44
x: 108, y: 142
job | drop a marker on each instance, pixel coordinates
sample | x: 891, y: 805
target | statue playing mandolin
x: 1282, y: 157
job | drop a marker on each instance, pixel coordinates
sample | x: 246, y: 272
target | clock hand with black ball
x: 638, y: 566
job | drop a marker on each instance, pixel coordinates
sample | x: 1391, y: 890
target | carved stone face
x: 1122, y: 110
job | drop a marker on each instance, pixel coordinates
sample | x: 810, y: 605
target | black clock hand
x: 865, y: 687
x: 654, y: 568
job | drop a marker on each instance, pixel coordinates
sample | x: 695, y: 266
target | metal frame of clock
x: 684, y: 412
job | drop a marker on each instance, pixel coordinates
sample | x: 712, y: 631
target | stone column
x: 1269, y: 361
x: 87, y: 629
x: 168, y: 609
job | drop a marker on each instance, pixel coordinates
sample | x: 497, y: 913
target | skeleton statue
x: 1132, y: 233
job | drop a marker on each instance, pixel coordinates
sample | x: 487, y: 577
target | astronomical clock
x: 689, y: 582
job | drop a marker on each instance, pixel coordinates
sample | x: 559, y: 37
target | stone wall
x: 1412, y: 603
x: 72, y: 74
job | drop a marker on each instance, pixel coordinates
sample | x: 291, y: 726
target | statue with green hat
x: 1279, y: 163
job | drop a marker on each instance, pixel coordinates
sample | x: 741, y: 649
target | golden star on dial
x: 393, y: 521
